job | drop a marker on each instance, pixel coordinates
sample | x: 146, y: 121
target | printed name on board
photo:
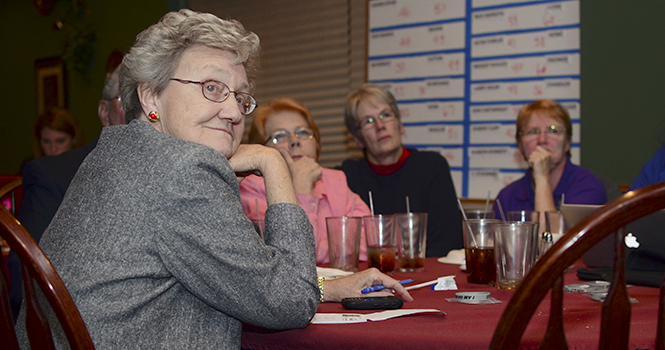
x: 383, y: 3
x: 558, y: 59
x: 495, y: 40
x: 555, y: 84
x: 435, y: 58
x: 382, y: 35
x: 495, y: 64
x: 480, y: 128
x: 436, y: 129
x: 486, y: 173
x: 493, y: 151
x: 435, y: 29
x: 557, y: 34
x: 489, y: 109
x: 570, y: 107
x: 438, y: 83
x: 488, y: 15
x: 381, y: 64
x: 479, y: 88
x: 555, y: 7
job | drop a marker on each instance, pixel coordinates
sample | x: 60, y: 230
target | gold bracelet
x: 321, y: 279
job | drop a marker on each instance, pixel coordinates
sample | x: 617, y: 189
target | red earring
x: 153, y: 116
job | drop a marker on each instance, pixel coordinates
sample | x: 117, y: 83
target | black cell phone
x: 372, y: 303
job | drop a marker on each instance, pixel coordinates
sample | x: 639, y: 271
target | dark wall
x: 28, y: 36
x: 623, y: 86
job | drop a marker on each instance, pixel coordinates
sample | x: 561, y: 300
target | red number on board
x: 512, y: 21
x: 548, y: 20
x: 452, y: 134
x: 512, y: 42
x: 539, y: 41
x: 516, y: 110
x: 512, y: 89
x: 537, y: 90
x: 540, y: 70
x: 439, y: 39
x: 400, y: 67
x: 448, y: 110
x: 405, y: 41
x: 517, y: 67
x: 453, y: 65
x: 439, y: 8
x: 399, y: 91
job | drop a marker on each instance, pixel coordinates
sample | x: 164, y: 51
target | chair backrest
x: 547, y: 274
x: 11, y: 186
x: 36, y: 267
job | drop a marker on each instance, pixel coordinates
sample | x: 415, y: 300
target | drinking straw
x: 498, y: 204
x: 408, y: 209
x: 487, y: 203
x: 461, y: 208
x: 371, y: 203
x: 563, y: 196
x: 353, y: 206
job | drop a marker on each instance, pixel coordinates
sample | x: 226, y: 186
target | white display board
x: 462, y: 69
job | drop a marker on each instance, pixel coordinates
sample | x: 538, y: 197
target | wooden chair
x: 13, y: 189
x: 547, y: 274
x: 37, y: 268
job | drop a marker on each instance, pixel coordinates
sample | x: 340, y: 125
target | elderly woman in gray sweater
x: 151, y: 240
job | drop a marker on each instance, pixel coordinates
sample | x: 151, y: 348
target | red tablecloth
x: 463, y: 326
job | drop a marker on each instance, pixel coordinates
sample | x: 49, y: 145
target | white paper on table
x: 345, y: 318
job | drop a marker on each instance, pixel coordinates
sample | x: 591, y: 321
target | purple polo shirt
x: 578, y: 184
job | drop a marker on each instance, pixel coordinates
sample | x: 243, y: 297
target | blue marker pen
x: 379, y: 287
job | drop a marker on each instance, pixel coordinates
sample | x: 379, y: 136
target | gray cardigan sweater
x: 152, y: 243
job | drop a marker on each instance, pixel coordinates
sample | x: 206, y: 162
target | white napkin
x: 446, y: 283
x: 455, y: 257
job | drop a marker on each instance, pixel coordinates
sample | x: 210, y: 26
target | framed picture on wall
x: 51, y: 83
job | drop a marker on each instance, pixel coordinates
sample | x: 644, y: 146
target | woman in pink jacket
x: 286, y: 125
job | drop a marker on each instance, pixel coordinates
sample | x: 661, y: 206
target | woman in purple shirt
x: 544, y: 134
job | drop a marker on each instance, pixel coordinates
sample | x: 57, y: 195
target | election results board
x: 461, y: 70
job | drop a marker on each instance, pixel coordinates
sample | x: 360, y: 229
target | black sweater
x: 425, y: 178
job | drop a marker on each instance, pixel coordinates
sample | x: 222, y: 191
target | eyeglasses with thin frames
x: 550, y: 131
x: 216, y: 91
x: 370, y: 122
x: 283, y: 136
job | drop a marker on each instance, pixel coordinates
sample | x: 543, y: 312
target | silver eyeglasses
x: 370, y: 122
x: 550, y: 131
x: 283, y: 136
x: 216, y: 91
